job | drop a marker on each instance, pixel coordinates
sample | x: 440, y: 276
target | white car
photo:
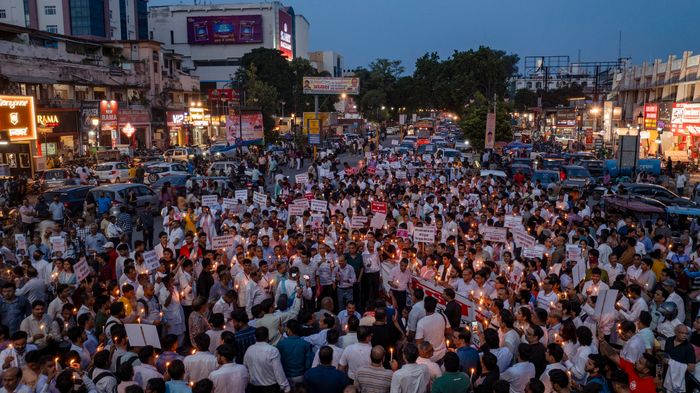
x: 177, y: 154
x: 227, y: 166
x: 155, y: 172
x: 113, y: 172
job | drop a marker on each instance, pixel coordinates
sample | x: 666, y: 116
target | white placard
x: 241, y: 195
x: 303, y: 202
x: 395, y: 165
x: 394, y: 142
x: 141, y: 334
x: 21, y: 245
x: 522, y: 238
x: 573, y: 252
x: 578, y: 273
x: 358, y: 221
x: 495, y: 234
x: 319, y: 205
x: 605, y: 304
x: 301, y: 178
x: 296, y: 210
x: 209, y: 200
x: 377, y: 220
x: 316, y: 221
x: 218, y: 242
x: 533, y: 252
x: 58, y: 243
x: 81, y: 269
x: 228, y: 203
x: 401, y: 175
x: 260, y: 199
x: 150, y: 260
x: 325, y: 173
x: 513, y: 222
x: 424, y: 234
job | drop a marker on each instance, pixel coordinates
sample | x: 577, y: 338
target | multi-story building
x: 213, y: 38
x: 142, y: 80
x: 666, y: 94
x: 106, y: 19
x: 329, y: 61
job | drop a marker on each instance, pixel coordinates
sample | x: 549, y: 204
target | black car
x: 656, y: 192
x: 72, y: 197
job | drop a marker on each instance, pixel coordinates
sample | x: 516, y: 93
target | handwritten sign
x: 301, y: 178
x: 319, y: 205
x: 219, y: 242
x: 81, y: 269
x: 424, y: 234
x: 260, y: 199
x: 522, y: 239
x: 241, y: 195
x: 150, y: 260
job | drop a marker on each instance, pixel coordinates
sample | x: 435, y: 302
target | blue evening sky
x: 363, y: 30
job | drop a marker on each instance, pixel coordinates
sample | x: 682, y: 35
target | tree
x: 377, y: 84
x: 524, y: 99
x: 474, y: 121
x: 272, y: 69
x: 264, y: 96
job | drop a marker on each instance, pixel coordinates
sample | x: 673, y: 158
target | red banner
x: 379, y: 207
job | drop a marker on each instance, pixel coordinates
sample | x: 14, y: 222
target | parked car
x: 119, y: 194
x: 72, y: 197
x: 222, y: 150
x: 113, y: 172
x: 155, y: 172
x: 552, y: 163
x: 177, y: 154
x: 52, y: 178
x: 177, y: 183
x: 576, y: 176
x: 427, y: 148
x: 545, y: 177
x: 653, y: 191
x: 595, y: 167
x: 515, y: 168
x: 216, y: 166
x: 450, y: 154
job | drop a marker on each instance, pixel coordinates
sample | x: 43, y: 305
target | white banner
x: 301, y: 178
x: 358, y: 222
x: 58, y: 243
x: 319, y: 205
x: 228, y: 203
x: 220, y: 242
x: 241, y: 195
x: 513, y: 222
x: 296, y: 210
x: 573, y: 253
x: 495, y: 234
x: 377, y: 220
x: 424, y: 234
x: 209, y: 200
x: 522, y: 238
x: 260, y: 199
x: 150, y: 260
x: 533, y: 252
x: 401, y: 175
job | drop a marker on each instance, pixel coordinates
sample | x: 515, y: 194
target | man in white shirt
x: 670, y: 286
x: 147, y: 369
x: 433, y: 328
x: 553, y: 356
x: 264, y: 364
x: 225, y: 305
x: 229, y: 377
x: 613, y: 268
x: 357, y: 355
x: 547, y: 297
x: 417, y: 312
x: 634, y: 346
x: 634, y: 292
x: 425, y: 351
x: 399, y: 280
x: 520, y: 373
x: 201, y: 362
x: 412, y: 377
x: 255, y: 294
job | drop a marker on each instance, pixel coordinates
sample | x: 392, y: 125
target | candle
x: 391, y: 354
x: 55, y: 361
x: 471, y: 372
x: 194, y: 351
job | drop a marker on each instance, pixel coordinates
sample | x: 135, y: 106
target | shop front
x: 58, y: 132
x: 134, y: 125
x: 18, y: 144
x: 197, y: 126
x: 176, y: 128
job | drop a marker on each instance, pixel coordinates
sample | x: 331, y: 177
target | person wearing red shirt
x: 519, y: 178
x: 640, y: 374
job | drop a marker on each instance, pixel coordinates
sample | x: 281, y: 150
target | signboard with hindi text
x: 327, y: 85
x: 424, y: 234
x: 219, y: 242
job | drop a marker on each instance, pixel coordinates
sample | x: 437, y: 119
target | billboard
x: 651, y: 112
x: 246, y: 129
x: 108, y: 115
x: 17, y: 117
x: 286, y: 35
x: 490, y: 139
x: 685, y: 118
x: 323, y: 85
x: 224, y: 29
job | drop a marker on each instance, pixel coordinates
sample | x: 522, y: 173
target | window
x: 3, y: 14
x: 49, y: 10
x: 52, y: 28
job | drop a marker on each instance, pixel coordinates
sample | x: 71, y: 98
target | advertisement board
x: 286, y: 35
x: 224, y: 29
x: 651, y: 112
x: 108, y: 115
x: 251, y: 131
x: 685, y: 118
x: 58, y: 119
x: 322, y: 85
x: 607, y: 119
x: 175, y: 118
x: 314, y: 127
x: 17, y: 117
x: 490, y: 139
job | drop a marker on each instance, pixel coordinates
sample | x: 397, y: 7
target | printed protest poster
x: 219, y: 242
x: 522, y: 239
x: 21, y: 245
x: 533, y: 252
x: 316, y: 221
x: 241, y: 195
x: 473, y: 201
x: 150, y: 260
x: 495, y: 234
x: 209, y: 200
x: 358, y: 222
x: 573, y: 252
x: 378, y: 221
x: 379, y: 207
x: 513, y: 221
x: 229, y: 203
x: 424, y: 234
x: 260, y: 199
x: 296, y: 210
x: 58, y: 243
x: 301, y: 178
x: 402, y: 233
x: 319, y: 205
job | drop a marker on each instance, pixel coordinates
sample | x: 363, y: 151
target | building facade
x: 329, y: 61
x: 665, y: 93
x: 139, y: 79
x: 99, y: 19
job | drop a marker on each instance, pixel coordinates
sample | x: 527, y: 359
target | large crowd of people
x: 409, y: 274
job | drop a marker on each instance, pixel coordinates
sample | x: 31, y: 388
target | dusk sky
x: 363, y: 30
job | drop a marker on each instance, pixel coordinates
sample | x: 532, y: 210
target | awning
x: 685, y: 211
x: 30, y: 79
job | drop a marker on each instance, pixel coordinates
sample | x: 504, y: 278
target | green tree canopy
x: 473, y: 121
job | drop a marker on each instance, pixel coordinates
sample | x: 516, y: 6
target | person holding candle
x: 37, y: 325
x: 13, y: 355
x: 399, y: 280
